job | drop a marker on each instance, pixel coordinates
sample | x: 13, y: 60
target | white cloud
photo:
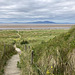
x: 32, y: 10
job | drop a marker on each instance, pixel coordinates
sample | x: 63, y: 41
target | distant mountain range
x: 43, y: 22
x: 37, y: 22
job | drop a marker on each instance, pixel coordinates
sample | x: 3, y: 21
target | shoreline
x: 34, y: 26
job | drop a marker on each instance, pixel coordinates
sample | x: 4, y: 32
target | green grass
x: 8, y: 35
x: 6, y: 51
x: 6, y: 47
x: 57, y: 52
x: 37, y: 39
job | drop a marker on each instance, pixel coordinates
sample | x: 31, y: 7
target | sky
x: 59, y: 11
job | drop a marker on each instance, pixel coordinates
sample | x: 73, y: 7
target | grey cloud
x: 32, y: 10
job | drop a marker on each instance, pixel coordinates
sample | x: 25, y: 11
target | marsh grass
x: 57, y: 52
x: 6, y: 51
x: 45, y: 44
x: 6, y: 46
x: 38, y: 39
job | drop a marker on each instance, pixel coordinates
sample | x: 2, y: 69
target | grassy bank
x: 6, y: 47
x: 6, y: 51
x: 56, y: 56
x: 35, y: 37
x: 38, y: 40
x: 49, y: 47
x: 8, y: 36
x: 52, y: 55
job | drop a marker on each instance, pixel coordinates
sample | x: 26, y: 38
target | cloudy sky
x: 37, y: 10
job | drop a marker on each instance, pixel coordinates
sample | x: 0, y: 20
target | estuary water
x: 35, y: 28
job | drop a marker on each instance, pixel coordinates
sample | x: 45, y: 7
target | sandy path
x: 11, y: 67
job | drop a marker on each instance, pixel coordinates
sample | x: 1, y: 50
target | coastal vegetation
x: 44, y: 52
x: 52, y: 55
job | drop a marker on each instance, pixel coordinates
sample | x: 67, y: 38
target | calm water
x: 36, y: 28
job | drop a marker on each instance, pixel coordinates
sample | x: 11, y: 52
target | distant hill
x: 37, y: 22
x: 42, y: 22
